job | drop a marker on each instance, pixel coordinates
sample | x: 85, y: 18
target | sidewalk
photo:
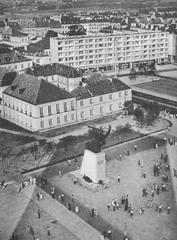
x: 172, y: 153
x: 72, y: 222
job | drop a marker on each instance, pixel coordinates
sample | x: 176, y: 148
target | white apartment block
x: 118, y: 50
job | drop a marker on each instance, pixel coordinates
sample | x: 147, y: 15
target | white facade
x: 63, y: 112
x: 99, y: 106
x: 39, y: 117
x: 116, y: 50
x: 18, y: 66
x: 69, y: 84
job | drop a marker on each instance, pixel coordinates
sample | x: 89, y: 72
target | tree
x: 97, y: 138
x: 139, y: 116
x: 51, y: 34
x: 76, y: 30
x: 68, y: 143
x: 128, y: 106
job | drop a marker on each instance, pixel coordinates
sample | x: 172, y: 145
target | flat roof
x: 163, y: 88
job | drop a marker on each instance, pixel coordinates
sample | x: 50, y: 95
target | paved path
x: 72, y: 222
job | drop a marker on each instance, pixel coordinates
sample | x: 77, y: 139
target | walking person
x: 39, y: 213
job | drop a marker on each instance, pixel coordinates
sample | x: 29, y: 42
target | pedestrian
x: 131, y: 213
x: 139, y: 163
x: 69, y: 206
x: 128, y: 153
x: 75, y: 180
x: 62, y: 198
x: 152, y: 193
x: 113, y: 206
x: 76, y: 209
x: 40, y: 196
x: 118, y: 179
x: 158, y: 189
x: 160, y: 208
x: 168, y: 209
x: 135, y: 147
x: 39, y: 213
x: 72, y: 198
x: 110, y: 234
x: 59, y: 173
x: 48, y: 233
x: 108, y: 206
x: 144, y: 173
x: 53, y: 192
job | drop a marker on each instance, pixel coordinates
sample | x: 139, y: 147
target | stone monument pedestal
x: 92, y: 167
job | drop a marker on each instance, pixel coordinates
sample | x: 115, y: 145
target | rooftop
x: 8, y: 56
x: 30, y: 89
x: 92, y: 86
x: 6, y: 77
x: 54, y: 69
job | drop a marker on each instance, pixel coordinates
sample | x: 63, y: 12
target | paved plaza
x: 151, y: 224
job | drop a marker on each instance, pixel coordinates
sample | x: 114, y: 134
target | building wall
x: 28, y: 116
x: 69, y: 84
x: 98, y: 106
x: 18, y: 66
x: 99, y: 50
x: 62, y: 113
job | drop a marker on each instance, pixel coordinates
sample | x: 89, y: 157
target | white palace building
x: 35, y: 104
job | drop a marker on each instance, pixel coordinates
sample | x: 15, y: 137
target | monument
x: 92, y: 171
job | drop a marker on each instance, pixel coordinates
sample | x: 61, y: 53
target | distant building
x: 13, y: 60
x: 111, y: 51
x: 60, y: 75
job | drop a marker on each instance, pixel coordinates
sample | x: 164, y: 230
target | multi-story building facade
x: 94, y: 101
x: 37, y: 105
x: 118, y: 50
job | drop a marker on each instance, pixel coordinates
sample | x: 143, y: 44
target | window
x: 72, y: 116
x: 41, y: 112
x: 72, y: 105
x: 91, y: 101
x: 91, y: 112
x: 50, y: 122
x: 65, y: 106
x: 126, y: 93
x: 110, y: 96
x: 65, y: 118
x: 101, y: 98
x: 58, y: 120
x: 49, y: 110
x: 57, y: 108
x: 101, y: 109
x: 82, y: 114
x: 42, y: 124
x: 81, y: 103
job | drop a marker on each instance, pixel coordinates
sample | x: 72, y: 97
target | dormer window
x: 21, y: 90
x: 7, y: 59
x: 13, y: 87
